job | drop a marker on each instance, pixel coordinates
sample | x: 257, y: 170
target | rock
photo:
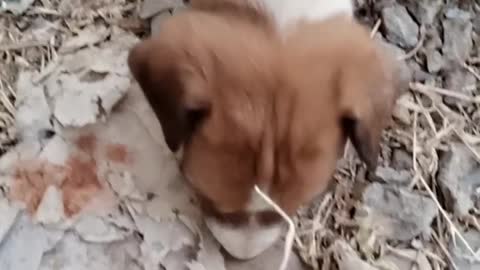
x: 395, y: 213
x: 392, y: 176
x: 459, y: 80
x: 399, y: 26
x: 404, y: 259
x: 401, y: 112
x: 457, y: 13
x: 418, y: 74
x: 476, y: 24
x: 89, y: 36
x: 434, y: 61
x: 433, y: 39
x: 424, y: 11
x: 209, y: 257
x: 390, y: 48
x: 151, y: 8
x: 95, y: 229
x: 457, y: 35
x: 50, y: 211
x: 60, y: 88
x: 455, y: 178
x: 157, y: 20
x: 462, y: 258
x: 71, y: 253
x: 25, y: 244
x: 9, y: 215
x: 402, y: 160
x: 33, y: 111
x: 347, y: 258
x: 17, y: 7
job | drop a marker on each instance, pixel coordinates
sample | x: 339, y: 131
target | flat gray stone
x: 457, y: 180
x: 457, y: 35
x: 392, y: 176
x: 462, y: 258
x: 434, y: 61
x: 424, y: 11
x: 460, y: 80
x: 399, y: 26
x: 153, y: 7
x: 395, y: 213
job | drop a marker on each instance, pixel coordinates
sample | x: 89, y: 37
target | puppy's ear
x: 173, y: 85
x: 367, y: 101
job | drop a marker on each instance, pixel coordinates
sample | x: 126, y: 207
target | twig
x: 471, y: 148
x: 5, y: 100
x: 291, y: 228
x: 472, y: 70
x: 447, y: 218
x: 444, y: 250
x: 426, y: 89
x: 417, y: 47
x: 21, y: 46
x: 375, y: 28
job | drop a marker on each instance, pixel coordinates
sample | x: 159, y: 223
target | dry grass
x: 31, y: 41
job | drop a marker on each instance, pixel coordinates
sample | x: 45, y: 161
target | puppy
x: 211, y: 82
x: 251, y: 108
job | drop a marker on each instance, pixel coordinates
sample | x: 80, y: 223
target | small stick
x: 427, y: 89
x: 419, y: 45
x: 449, y: 221
x: 291, y: 228
x: 375, y: 28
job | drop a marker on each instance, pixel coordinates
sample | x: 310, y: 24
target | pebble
x: 399, y: 26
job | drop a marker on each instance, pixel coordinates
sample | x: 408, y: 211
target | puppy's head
x: 210, y: 79
x: 250, y: 110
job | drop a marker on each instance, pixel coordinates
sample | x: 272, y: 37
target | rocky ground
x: 423, y: 210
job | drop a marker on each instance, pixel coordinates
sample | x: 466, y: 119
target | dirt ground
x: 423, y: 212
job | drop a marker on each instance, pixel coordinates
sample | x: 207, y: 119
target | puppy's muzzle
x: 247, y: 240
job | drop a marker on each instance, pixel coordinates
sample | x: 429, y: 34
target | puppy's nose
x: 247, y: 240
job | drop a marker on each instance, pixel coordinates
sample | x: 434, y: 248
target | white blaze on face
x: 288, y: 12
x: 249, y: 240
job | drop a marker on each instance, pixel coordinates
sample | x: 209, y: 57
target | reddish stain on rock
x: 78, y: 180
x: 118, y: 153
x: 80, y: 185
x: 32, y: 179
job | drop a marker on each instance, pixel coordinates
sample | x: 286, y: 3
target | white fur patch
x: 245, y: 242
x: 288, y: 12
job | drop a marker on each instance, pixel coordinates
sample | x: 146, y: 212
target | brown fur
x: 251, y: 109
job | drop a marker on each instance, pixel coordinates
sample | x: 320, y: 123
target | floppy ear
x: 367, y: 101
x: 173, y: 86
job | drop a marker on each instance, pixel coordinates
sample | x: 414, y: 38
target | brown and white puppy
x: 284, y: 14
x: 250, y: 108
